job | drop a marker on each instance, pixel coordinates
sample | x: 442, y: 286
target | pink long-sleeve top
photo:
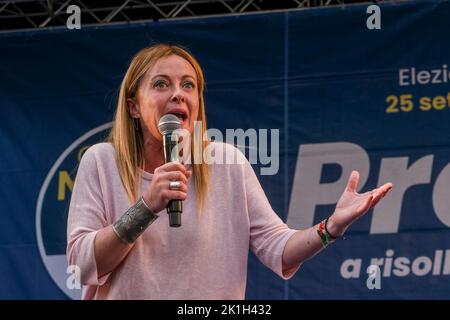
x: 205, y: 258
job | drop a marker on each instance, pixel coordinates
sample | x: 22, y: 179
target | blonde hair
x: 128, y: 142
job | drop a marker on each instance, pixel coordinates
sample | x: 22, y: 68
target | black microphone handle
x: 174, y: 207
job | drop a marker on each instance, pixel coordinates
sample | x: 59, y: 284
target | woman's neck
x: 153, y: 154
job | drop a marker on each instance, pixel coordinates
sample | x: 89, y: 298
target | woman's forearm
x: 305, y: 244
x: 301, y: 246
x: 109, y: 250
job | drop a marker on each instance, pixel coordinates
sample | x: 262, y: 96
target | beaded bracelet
x: 324, y: 235
x: 326, y: 229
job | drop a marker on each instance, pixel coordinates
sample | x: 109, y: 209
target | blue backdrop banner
x: 341, y: 96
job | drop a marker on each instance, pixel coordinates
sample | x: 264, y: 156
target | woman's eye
x: 188, y: 84
x: 160, y: 84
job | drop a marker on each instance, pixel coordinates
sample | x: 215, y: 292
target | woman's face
x: 169, y: 87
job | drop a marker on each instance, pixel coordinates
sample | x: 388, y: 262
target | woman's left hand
x: 353, y: 205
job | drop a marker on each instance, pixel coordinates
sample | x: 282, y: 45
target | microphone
x: 166, y: 126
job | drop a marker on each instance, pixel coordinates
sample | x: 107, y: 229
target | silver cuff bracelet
x: 131, y: 225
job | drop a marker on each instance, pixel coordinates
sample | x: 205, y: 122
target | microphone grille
x: 168, y: 123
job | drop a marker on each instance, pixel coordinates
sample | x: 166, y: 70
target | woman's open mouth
x: 181, y: 116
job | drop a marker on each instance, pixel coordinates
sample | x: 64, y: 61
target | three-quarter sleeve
x: 86, y: 217
x: 268, y: 233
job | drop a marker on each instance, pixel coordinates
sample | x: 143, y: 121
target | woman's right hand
x: 158, y: 195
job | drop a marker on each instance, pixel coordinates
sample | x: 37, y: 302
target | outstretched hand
x: 353, y: 205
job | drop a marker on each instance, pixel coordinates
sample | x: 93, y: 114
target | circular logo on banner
x: 53, y: 206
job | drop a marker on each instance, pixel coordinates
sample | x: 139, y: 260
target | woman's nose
x: 177, y: 96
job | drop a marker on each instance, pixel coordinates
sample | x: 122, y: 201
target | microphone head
x: 168, y: 123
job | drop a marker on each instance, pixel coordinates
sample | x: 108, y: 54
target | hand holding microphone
x: 169, y: 184
x: 159, y: 194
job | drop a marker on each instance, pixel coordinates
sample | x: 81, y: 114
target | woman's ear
x: 133, y: 108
